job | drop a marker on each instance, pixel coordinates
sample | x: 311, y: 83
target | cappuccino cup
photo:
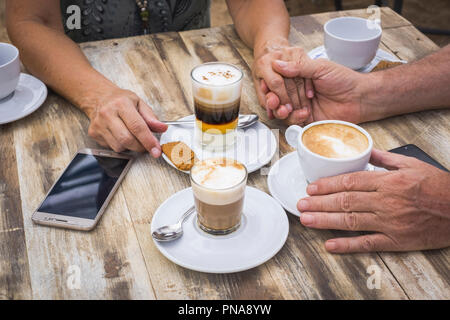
x: 351, y: 41
x: 9, y: 69
x: 330, y: 147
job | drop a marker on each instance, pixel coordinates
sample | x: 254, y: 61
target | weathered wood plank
x: 171, y: 54
x: 423, y: 275
x: 108, y: 259
x: 428, y: 130
x: 304, y: 254
x: 119, y: 260
x: 14, y: 273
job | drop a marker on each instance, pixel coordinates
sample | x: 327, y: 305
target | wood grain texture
x: 119, y: 260
x: 428, y: 130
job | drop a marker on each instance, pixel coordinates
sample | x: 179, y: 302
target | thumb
x: 304, y: 68
x: 390, y: 160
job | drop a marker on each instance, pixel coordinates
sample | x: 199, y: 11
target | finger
x: 356, y: 181
x: 304, y: 101
x: 150, y: 118
x: 257, y: 82
x: 292, y: 90
x: 272, y: 101
x: 275, y: 84
x: 282, y: 112
x: 264, y: 87
x: 140, y: 129
x: 298, y: 116
x: 309, y: 88
x: 123, y: 136
x: 365, y: 243
x: 304, y: 68
x: 390, y: 160
x: 352, y: 221
x: 112, y: 142
x: 340, y: 202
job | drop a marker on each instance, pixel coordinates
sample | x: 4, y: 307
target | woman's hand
x: 283, y: 98
x: 122, y: 121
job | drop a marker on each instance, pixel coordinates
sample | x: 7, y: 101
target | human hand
x: 122, y: 121
x: 338, y: 91
x: 283, y: 98
x: 407, y: 208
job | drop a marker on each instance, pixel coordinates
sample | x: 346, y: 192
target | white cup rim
x: 360, y: 129
x: 325, y: 28
x: 15, y: 56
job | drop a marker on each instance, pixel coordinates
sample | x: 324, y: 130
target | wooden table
x: 119, y: 260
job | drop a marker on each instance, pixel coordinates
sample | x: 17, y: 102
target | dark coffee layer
x: 216, y: 113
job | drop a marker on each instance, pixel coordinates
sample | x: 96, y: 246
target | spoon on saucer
x: 172, y: 231
x: 245, y: 120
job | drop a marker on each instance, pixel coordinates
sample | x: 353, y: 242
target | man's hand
x: 407, y: 208
x: 338, y: 91
x: 123, y: 121
x: 283, y: 98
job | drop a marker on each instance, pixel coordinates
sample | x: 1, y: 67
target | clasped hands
x: 404, y: 208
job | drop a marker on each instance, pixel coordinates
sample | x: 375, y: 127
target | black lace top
x: 106, y: 19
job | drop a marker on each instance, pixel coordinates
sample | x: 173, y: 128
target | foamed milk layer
x: 338, y: 148
x: 335, y: 140
x: 217, y: 181
x: 216, y: 83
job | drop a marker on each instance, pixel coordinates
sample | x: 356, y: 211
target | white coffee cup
x: 316, y: 166
x: 351, y: 41
x: 9, y: 69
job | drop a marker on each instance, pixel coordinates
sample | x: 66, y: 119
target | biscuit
x: 383, y: 64
x: 179, y: 154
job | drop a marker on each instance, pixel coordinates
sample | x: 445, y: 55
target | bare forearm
x: 417, y: 86
x: 260, y: 23
x: 59, y: 62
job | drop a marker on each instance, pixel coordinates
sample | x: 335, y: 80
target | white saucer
x: 319, y: 52
x: 262, y: 234
x: 287, y: 184
x: 255, y: 145
x: 29, y: 95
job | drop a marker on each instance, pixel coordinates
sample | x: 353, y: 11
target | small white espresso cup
x: 9, y: 69
x: 316, y: 166
x: 351, y: 41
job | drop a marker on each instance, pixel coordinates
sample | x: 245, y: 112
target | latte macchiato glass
x: 216, y: 87
x: 219, y: 185
x: 330, y: 147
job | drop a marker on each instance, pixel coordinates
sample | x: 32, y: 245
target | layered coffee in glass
x: 219, y: 185
x: 216, y: 87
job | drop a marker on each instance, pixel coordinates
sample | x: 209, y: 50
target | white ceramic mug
x: 316, y: 166
x: 9, y: 69
x: 351, y: 41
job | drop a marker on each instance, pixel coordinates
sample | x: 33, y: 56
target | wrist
x: 267, y: 45
x: 371, y: 106
x: 96, y: 96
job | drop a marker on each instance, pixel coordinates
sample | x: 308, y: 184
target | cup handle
x: 292, y: 134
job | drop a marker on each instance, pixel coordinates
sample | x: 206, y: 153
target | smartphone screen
x: 84, y: 186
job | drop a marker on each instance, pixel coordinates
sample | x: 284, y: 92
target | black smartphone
x: 81, y: 194
x: 411, y: 150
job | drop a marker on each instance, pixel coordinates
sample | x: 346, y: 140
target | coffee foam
x: 334, y: 140
x: 218, y: 181
x: 216, y: 83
